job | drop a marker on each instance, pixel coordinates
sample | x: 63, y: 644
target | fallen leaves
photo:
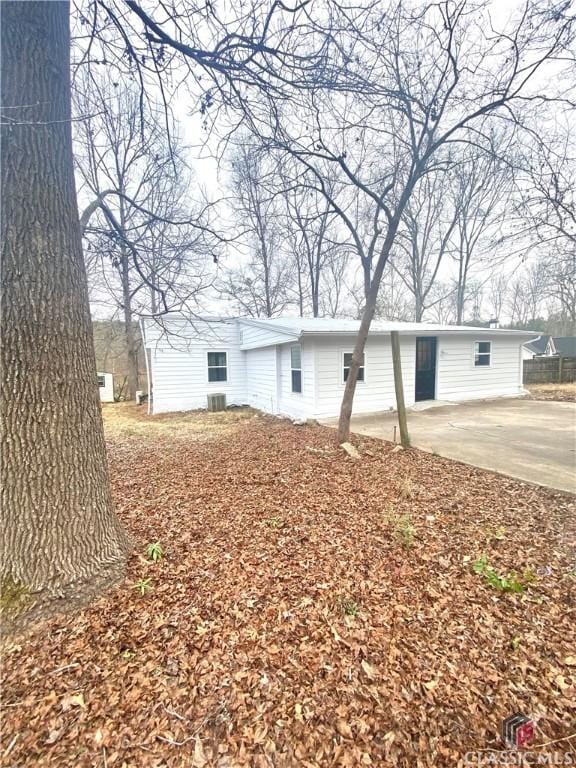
x: 370, y: 671
x: 74, y: 700
x: 287, y: 625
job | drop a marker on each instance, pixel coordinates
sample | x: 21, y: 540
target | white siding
x: 261, y: 380
x: 299, y: 405
x: 261, y: 375
x: 376, y: 392
x: 459, y: 379
x: 253, y: 336
x: 179, y: 365
x: 107, y: 391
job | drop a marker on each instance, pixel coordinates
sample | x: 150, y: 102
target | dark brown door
x: 425, y: 368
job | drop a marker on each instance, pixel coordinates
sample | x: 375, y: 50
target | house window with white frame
x: 482, y: 353
x: 347, y: 362
x: 296, y: 368
x: 217, y: 366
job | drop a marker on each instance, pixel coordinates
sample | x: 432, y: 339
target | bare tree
x: 263, y: 286
x: 526, y: 293
x: 496, y: 293
x: 550, y: 214
x: 334, y: 286
x: 432, y: 79
x: 319, y: 259
x: 481, y: 196
x: 424, y: 239
x: 561, y: 285
x: 146, y: 253
x: 393, y: 303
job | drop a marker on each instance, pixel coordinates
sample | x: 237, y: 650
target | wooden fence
x: 550, y: 370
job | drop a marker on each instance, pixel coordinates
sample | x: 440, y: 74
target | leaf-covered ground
x: 310, y: 609
x: 563, y: 392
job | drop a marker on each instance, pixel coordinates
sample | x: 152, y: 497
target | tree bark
x: 130, y: 344
x: 60, y: 541
x: 399, y: 388
x: 128, y: 326
x: 365, y: 322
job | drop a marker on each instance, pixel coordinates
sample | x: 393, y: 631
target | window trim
x: 208, y: 366
x: 342, y: 367
x: 482, y: 354
x: 292, y: 390
x: 103, y: 377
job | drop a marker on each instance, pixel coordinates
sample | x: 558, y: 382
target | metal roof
x: 299, y: 326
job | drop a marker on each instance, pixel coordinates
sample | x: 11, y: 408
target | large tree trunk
x: 61, y: 543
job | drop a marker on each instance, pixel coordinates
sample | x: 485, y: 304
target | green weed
x: 144, y: 586
x: 401, y: 525
x: 348, y: 606
x: 274, y: 522
x: 155, y: 552
x: 511, y: 582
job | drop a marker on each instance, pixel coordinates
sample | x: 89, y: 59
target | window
x: 482, y: 352
x: 348, y: 363
x: 101, y: 381
x: 296, y: 368
x: 217, y: 366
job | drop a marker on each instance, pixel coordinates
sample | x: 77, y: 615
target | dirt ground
x: 562, y: 392
x: 310, y: 609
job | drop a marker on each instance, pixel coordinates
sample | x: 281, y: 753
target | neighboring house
x: 536, y: 347
x: 297, y: 367
x: 563, y: 346
x: 106, y: 387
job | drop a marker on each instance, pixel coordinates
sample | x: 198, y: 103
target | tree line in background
x: 471, y: 246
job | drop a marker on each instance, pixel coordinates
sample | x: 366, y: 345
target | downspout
x: 148, y: 378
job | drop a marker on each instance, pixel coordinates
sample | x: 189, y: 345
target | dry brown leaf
x: 73, y: 700
x: 369, y: 670
x: 343, y: 728
x: 199, y: 758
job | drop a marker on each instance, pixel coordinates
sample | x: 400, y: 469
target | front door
x: 425, y: 368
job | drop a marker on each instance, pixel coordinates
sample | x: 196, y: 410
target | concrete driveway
x: 532, y: 440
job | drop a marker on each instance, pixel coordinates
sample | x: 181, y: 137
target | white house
x: 297, y: 367
x: 536, y: 347
x: 106, y: 387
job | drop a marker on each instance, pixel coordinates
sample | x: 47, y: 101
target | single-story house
x: 563, y: 346
x: 535, y: 348
x: 549, y: 346
x: 106, y: 387
x: 297, y: 367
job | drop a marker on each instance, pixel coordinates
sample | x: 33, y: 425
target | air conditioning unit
x: 217, y: 402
